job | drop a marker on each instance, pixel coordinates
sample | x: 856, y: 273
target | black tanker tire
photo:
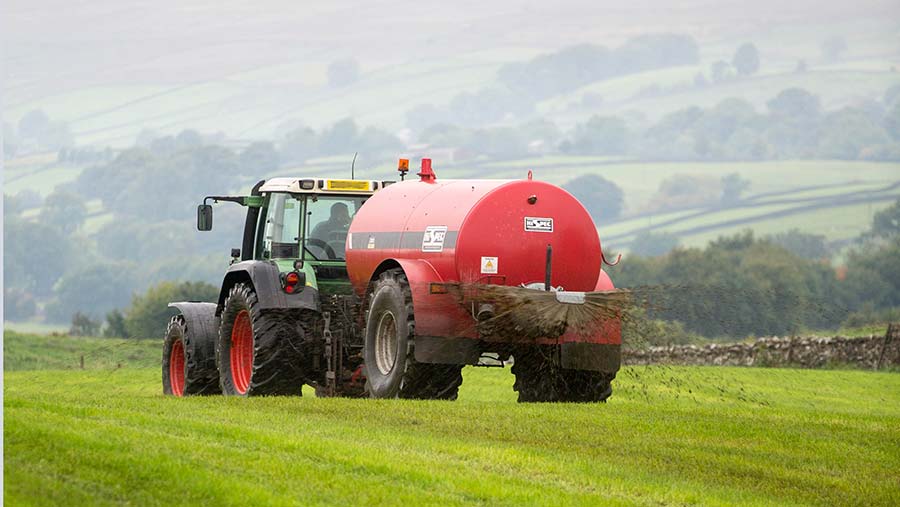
x: 200, y: 374
x: 277, y: 347
x: 408, y: 378
x: 538, y: 379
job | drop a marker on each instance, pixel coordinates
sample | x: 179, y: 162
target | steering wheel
x: 323, y: 245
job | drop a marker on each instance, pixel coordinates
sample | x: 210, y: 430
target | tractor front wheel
x: 188, y: 366
x: 391, y: 367
x: 258, y: 352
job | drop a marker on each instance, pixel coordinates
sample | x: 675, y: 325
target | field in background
x: 834, y: 198
x: 253, y: 69
x: 668, y: 435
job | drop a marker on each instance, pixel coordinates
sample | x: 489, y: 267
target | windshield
x: 328, y: 222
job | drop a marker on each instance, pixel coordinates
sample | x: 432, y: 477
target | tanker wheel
x: 540, y: 379
x: 258, y: 352
x: 391, y: 367
x: 187, y: 369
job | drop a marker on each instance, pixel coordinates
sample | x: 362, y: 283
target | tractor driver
x: 338, y: 222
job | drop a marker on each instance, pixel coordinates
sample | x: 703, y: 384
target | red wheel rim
x: 176, y: 368
x: 241, y: 351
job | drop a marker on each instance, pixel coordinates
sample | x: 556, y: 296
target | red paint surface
x: 489, y: 216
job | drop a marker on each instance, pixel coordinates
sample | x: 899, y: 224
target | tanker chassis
x: 370, y: 288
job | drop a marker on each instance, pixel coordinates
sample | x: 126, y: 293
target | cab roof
x: 322, y: 186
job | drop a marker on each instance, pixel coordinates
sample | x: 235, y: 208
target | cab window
x: 328, y: 221
x: 281, y: 228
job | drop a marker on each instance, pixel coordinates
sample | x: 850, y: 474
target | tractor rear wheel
x: 187, y: 367
x: 258, y: 352
x: 540, y: 379
x: 391, y: 367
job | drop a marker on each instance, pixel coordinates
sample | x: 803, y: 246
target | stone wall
x: 798, y: 352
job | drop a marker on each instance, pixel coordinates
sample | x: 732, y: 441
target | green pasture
x: 669, y: 435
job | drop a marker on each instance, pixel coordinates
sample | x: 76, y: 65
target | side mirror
x: 204, y: 217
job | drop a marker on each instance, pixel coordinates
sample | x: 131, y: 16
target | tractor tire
x: 391, y: 367
x: 539, y: 379
x: 188, y: 363
x: 258, y: 352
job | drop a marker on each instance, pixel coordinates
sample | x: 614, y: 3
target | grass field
x: 668, y: 436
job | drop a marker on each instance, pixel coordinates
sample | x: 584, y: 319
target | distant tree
x: 93, y: 289
x: 343, y: 72
x: 115, y: 325
x: 298, y: 145
x: 746, y: 59
x: 795, y: 103
x: 603, y: 199
x: 12, y: 205
x: 541, y: 129
x: 807, y: 246
x: 886, y: 223
x: 832, y: 48
x: 374, y: 141
x: 653, y: 244
x: 444, y: 134
x: 732, y: 188
x: 36, y: 257
x: 82, y: 325
x: 499, y: 142
x: 145, y: 137
x: 342, y: 137
x: 423, y: 116
x: 163, y: 146
x: 846, y: 133
x: 148, y: 315
x: 719, y: 71
x: 188, y: 139
x: 488, y: 105
x: 65, y: 210
x: 57, y: 135
x: 721, y: 121
x: 601, y: 135
x: 682, y: 191
x: 33, y: 124
x: 258, y: 158
x: 540, y: 77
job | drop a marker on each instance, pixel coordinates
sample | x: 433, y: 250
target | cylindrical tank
x: 492, y: 231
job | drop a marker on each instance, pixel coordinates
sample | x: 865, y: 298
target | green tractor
x: 286, y: 314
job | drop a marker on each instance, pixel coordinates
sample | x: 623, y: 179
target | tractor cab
x: 300, y: 225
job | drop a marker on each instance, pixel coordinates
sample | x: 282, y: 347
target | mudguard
x: 444, y: 331
x: 600, y: 352
x: 202, y: 325
x: 266, y: 280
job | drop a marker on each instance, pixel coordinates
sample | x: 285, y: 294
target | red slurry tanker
x: 370, y: 288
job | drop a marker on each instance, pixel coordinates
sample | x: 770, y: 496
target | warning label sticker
x: 488, y: 265
x: 433, y: 239
x: 371, y: 244
x: 538, y: 224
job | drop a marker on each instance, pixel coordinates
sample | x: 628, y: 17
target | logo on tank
x: 433, y: 239
x: 538, y: 224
